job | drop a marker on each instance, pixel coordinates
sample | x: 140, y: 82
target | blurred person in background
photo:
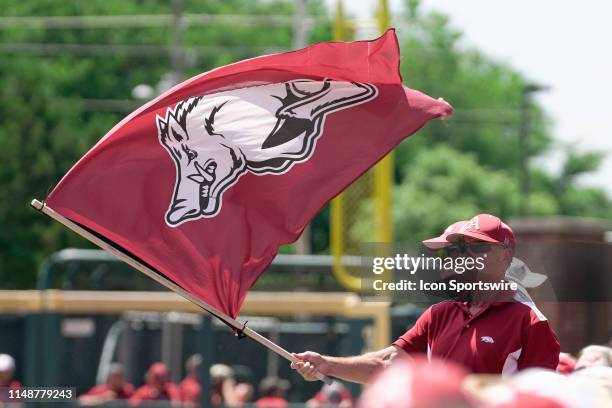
x: 489, y: 332
x: 243, y: 393
x: 272, y: 392
x: 417, y: 383
x: 224, y: 390
x: 594, y: 355
x: 7, y: 382
x: 115, y: 388
x: 594, y: 366
x: 554, y: 389
x: 7, y: 370
x: 334, y: 395
x: 190, y: 387
x: 567, y: 363
x: 243, y: 389
x: 157, y: 387
x: 600, y: 376
x: 221, y: 380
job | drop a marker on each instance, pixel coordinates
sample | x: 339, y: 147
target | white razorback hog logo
x: 262, y: 129
x: 487, y: 339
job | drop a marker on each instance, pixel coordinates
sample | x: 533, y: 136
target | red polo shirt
x: 501, y: 338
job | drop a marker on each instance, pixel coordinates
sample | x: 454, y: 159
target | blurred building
x: 574, y: 255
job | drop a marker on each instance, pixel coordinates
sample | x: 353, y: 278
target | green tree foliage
x: 62, y: 89
x: 442, y: 185
x: 453, y: 171
x: 580, y: 201
x: 487, y: 96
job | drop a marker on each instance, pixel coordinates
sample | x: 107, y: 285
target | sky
x: 564, y: 45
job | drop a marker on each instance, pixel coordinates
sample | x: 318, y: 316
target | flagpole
x: 45, y: 209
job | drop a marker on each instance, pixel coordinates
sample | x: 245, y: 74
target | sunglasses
x: 462, y: 247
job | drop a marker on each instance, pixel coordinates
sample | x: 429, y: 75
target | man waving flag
x: 207, y: 181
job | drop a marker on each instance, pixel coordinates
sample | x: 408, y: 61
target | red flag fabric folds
x: 205, y: 182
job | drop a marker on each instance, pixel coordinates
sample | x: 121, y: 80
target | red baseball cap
x: 441, y: 241
x: 416, y: 382
x: 486, y: 228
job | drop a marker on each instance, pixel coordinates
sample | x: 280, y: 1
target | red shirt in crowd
x: 12, y: 385
x: 190, y: 390
x: 271, y: 402
x: 125, y: 392
x: 322, y: 398
x: 501, y: 338
x: 148, y: 393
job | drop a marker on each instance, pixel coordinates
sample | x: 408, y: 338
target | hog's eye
x: 191, y: 154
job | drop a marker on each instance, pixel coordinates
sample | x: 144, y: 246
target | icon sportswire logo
x: 266, y: 129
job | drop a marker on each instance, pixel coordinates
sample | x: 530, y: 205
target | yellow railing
x: 382, y: 182
x: 257, y: 303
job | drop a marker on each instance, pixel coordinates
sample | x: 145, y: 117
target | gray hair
x: 193, y: 363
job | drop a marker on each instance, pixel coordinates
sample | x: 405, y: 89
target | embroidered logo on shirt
x: 487, y: 339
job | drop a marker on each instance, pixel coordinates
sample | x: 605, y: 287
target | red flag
x: 205, y: 182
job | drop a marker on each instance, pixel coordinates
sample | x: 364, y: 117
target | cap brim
x: 436, y: 243
x: 472, y: 234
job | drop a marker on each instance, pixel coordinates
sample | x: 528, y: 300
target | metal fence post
x: 206, y: 349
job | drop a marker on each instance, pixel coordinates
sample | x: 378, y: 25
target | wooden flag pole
x: 170, y: 285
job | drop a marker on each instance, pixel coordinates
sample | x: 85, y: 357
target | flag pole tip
x: 37, y: 204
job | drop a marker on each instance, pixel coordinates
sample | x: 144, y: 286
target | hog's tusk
x: 203, y: 173
x: 197, y: 178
